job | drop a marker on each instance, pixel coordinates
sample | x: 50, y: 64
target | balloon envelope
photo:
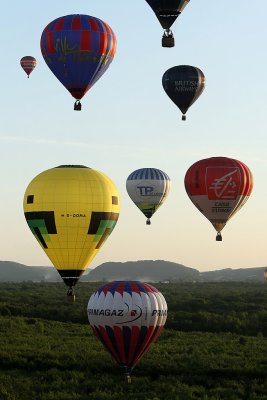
x: 148, y: 188
x: 78, y: 49
x: 183, y: 84
x: 71, y: 211
x: 218, y: 187
x: 167, y: 10
x: 28, y: 63
x: 127, y: 317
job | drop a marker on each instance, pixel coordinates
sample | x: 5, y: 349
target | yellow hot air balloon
x: 71, y: 210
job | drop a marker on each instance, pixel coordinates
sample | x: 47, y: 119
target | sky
x: 128, y: 122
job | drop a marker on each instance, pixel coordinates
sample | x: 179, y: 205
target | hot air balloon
x: 78, y: 49
x: 148, y: 188
x: 28, y: 63
x: 127, y: 317
x: 183, y: 84
x: 167, y: 11
x: 71, y: 210
x: 218, y: 187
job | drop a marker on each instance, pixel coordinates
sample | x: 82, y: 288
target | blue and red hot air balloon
x: 78, y: 49
x: 127, y: 317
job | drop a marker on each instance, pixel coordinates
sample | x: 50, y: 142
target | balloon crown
x: 72, y: 166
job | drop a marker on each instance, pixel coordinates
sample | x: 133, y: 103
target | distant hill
x: 229, y: 274
x: 15, y: 272
x: 147, y: 270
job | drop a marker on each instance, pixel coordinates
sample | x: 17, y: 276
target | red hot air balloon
x: 127, y: 317
x: 78, y: 49
x: 28, y: 63
x: 218, y: 187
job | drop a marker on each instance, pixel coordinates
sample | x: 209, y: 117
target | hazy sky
x: 128, y: 122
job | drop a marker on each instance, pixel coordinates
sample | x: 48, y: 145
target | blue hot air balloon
x: 78, y: 49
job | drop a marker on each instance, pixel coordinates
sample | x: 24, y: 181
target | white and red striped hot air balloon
x: 28, y: 63
x: 127, y: 317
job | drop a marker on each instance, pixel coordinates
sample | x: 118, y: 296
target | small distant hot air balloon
x: 218, y: 187
x: 183, y: 84
x: 148, y: 188
x: 167, y: 11
x: 71, y: 210
x: 28, y: 63
x: 127, y: 317
x: 78, y: 49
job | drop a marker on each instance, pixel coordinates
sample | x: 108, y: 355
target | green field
x: 213, y: 347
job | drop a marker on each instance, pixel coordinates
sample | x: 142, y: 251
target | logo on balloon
x: 185, y: 86
x: 225, y: 187
x: 147, y: 190
x: 127, y: 314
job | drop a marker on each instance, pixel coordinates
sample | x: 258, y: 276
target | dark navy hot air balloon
x: 127, y: 317
x: 167, y: 11
x: 183, y: 84
x: 78, y: 49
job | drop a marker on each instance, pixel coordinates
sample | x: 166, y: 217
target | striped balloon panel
x: 127, y: 317
x: 148, y: 173
x: 148, y: 188
x: 78, y: 49
x: 218, y: 187
x: 127, y: 287
x: 183, y: 84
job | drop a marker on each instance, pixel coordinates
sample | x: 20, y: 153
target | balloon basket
x: 168, y: 41
x: 71, y: 295
x: 218, y: 237
x: 148, y: 222
x: 77, y: 106
x: 127, y: 374
x: 183, y: 118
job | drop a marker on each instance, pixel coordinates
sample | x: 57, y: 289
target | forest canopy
x: 214, y: 346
